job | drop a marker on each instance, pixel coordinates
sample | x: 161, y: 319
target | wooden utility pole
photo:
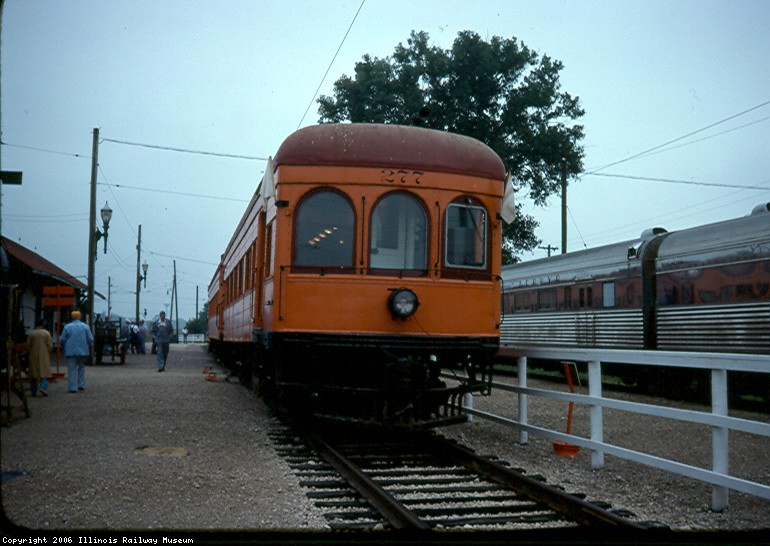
x: 563, y: 206
x: 176, y: 303
x: 549, y: 248
x: 138, y: 276
x: 92, y: 232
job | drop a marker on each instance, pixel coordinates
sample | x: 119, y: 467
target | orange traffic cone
x: 563, y: 448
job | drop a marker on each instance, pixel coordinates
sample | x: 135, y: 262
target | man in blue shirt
x: 76, y: 341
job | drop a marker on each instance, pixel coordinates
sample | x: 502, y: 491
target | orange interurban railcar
x: 367, y: 261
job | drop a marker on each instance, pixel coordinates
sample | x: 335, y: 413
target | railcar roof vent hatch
x: 761, y: 209
x: 653, y: 232
x: 647, y: 234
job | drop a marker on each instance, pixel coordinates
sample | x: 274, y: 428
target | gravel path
x: 141, y: 451
x: 91, y: 461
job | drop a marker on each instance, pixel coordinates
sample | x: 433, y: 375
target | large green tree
x: 499, y: 92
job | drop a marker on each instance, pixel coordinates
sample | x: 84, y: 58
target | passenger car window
x: 399, y: 234
x: 608, y: 294
x: 323, y: 232
x: 466, y: 236
x: 546, y: 299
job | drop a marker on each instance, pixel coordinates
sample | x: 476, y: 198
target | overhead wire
x: 675, y: 181
x: 47, y: 218
x: 183, y: 150
x: 577, y: 228
x: 115, y: 200
x: 128, y: 222
x: 187, y: 194
x: 674, y: 215
x: 667, y: 147
x: 155, y: 255
x: 330, y: 64
x: 45, y: 150
x: 182, y: 258
x: 689, y: 143
x: 654, y: 148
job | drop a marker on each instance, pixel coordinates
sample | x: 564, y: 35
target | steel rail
x: 393, y: 511
x: 570, y: 506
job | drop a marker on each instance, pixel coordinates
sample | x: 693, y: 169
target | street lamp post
x: 106, y: 213
x: 96, y: 234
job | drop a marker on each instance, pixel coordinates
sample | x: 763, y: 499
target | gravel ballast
x: 148, y: 451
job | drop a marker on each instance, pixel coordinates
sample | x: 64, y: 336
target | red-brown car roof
x: 393, y: 146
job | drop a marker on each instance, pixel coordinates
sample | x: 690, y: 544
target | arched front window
x: 323, y: 231
x: 466, y: 235
x: 399, y: 234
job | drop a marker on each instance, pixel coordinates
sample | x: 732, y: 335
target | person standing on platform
x: 162, y: 331
x: 98, y: 338
x: 141, y: 336
x: 77, y: 342
x: 39, y: 347
x: 135, y: 338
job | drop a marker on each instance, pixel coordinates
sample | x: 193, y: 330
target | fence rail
x: 718, y: 419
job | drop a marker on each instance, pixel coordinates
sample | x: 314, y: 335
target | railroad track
x: 424, y: 482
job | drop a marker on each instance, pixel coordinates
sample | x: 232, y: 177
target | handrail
x: 733, y: 362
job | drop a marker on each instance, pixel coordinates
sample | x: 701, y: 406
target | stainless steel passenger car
x: 701, y: 289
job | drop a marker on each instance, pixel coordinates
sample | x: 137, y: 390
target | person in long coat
x: 39, y: 347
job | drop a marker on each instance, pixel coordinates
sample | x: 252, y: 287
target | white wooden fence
x: 718, y: 419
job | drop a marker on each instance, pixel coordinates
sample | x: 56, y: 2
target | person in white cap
x: 162, y: 332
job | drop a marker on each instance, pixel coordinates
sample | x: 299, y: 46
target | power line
x: 182, y: 258
x: 115, y: 200
x: 674, y: 181
x: 708, y: 137
x: 45, y: 150
x: 79, y: 215
x: 576, y: 227
x: 124, y: 186
x: 28, y: 220
x: 679, y: 138
x: 330, y: 64
x: 183, y: 150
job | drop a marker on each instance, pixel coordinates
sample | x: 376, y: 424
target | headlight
x: 403, y: 302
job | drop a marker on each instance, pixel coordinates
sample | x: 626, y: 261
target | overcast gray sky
x: 237, y: 77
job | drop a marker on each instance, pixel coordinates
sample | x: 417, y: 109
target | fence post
x: 523, y: 410
x: 719, y: 438
x: 595, y: 413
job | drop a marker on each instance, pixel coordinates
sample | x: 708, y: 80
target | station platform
x: 183, y: 450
